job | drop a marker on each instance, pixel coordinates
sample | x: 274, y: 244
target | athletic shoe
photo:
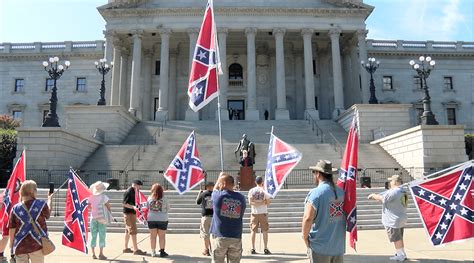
x: 127, y: 250
x: 163, y: 254
x: 252, y: 251
x: 102, y: 257
x: 153, y: 254
x: 267, y: 252
x: 94, y: 257
x: 398, y: 258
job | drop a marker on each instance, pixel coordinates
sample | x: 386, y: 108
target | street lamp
x: 371, y: 66
x: 55, y: 72
x: 103, y: 69
x: 423, y: 70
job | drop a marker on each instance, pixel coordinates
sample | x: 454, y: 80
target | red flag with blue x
x: 446, y: 205
x: 347, y: 181
x: 185, y: 171
x: 203, y: 83
x: 282, y: 158
x: 76, y: 213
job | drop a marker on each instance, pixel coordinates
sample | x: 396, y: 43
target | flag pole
x: 220, y: 131
x: 271, y: 132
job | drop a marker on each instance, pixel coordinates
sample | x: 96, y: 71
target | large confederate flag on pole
x: 446, y: 205
x: 347, y: 181
x: 203, y: 84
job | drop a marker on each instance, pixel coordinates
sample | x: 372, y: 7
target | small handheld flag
x: 282, y: 158
x: 76, y: 214
x: 185, y: 171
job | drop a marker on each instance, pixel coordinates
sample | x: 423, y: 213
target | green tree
x: 8, y: 137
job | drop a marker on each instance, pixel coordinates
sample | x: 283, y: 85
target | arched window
x: 235, y: 72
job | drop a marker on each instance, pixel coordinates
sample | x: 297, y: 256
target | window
x: 235, y: 71
x: 387, y: 83
x: 81, y: 84
x: 19, y: 85
x: 17, y: 114
x: 451, y: 116
x: 157, y: 67
x: 417, y: 83
x: 314, y: 67
x: 49, y: 85
x: 448, y: 83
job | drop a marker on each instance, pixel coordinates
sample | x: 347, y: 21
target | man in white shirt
x: 259, y: 201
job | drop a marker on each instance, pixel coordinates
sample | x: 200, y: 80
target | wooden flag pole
x: 220, y: 131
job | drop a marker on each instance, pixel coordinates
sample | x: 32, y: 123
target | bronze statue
x: 246, y: 145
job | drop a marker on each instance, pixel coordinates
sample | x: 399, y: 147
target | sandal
x: 94, y: 257
x: 127, y: 250
x: 102, y: 257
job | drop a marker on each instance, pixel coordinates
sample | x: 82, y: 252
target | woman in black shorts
x: 158, y: 208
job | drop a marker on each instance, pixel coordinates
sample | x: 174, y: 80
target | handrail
x: 314, y: 126
x: 144, y: 144
x: 337, y: 145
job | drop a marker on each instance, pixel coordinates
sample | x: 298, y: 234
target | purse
x: 46, y: 243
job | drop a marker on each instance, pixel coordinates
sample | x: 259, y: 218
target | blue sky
x: 77, y: 20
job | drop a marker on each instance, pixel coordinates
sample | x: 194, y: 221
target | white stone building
x: 286, y: 57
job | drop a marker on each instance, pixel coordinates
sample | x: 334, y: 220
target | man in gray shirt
x: 394, y: 214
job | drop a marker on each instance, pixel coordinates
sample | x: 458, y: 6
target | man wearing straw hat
x: 324, y: 222
x: 394, y: 214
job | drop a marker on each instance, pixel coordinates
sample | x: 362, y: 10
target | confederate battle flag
x: 203, y: 84
x: 142, y: 211
x: 185, y: 171
x: 76, y: 213
x: 446, y: 205
x: 11, y: 194
x: 347, y: 181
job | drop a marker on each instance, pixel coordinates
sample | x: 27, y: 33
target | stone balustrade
x: 373, y: 44
x: 66, y: 46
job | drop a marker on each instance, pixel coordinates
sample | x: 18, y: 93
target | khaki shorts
x: 222, y: 246
x: 130, y: 223
x: 259, y: 220
x: 394, y: 234
x: 205, y: 227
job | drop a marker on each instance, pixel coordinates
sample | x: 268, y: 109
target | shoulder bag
x: 46, y: 243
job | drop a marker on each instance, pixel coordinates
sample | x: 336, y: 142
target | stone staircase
x: 157, y: 156
x: 285, y: 212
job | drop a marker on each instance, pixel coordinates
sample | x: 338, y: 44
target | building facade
x: 289, y: 59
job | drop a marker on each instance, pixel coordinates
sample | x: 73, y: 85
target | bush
x: 469, y: 139
x: 8, y: 137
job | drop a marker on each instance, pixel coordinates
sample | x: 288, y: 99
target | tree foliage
x: 8, y: 137
x: 469, y: 139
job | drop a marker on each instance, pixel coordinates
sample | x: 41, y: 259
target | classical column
x: 136, y: 69
x: 115, y: 83
x: 364, y: 78
x: 123, y: 81
x: 147, y: 97
x: 281, y: 113
x: 355, y: 65
x: 162, y: 111
x: 337, y: 72
x: 224, y: 78
x: 108, y: 55
x: 310, y: 109
x: 252, y: 112
x: 190, y: 115
x: 172, y: 85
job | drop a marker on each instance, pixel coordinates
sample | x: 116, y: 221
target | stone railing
x: 373, y: 44
x: 67, y: 46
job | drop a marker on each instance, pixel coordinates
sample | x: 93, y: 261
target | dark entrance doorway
x: 236, y: 109
x: 156, y: 102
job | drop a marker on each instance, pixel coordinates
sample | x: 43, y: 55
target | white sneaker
x: 399, y: 257
x: 153, y: 254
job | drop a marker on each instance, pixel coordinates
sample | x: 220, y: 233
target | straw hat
x: 98, y: 188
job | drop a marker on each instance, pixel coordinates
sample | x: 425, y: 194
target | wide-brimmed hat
x: 395, y: 178
x: 98, y: 188
x: 323, y: 166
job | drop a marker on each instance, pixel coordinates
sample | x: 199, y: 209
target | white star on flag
x: 464, y: 211
x: 443, y: 226
x: 442, y: 201
x: 439, y: 236
x: 448, y: 216
x: 432, y: 197
x: 201, y: 54
x: 421, y: 192
x: 458, y: 196
x: 462, y: 187
x: 453, y: 206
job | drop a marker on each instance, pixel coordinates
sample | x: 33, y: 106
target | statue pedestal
x: 246, y: 179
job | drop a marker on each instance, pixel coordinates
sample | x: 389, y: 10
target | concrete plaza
x: 373, y: 246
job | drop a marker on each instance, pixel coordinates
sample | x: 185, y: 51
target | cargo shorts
x: 222, y: 246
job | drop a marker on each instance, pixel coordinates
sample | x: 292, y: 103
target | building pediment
x: 127, y: 8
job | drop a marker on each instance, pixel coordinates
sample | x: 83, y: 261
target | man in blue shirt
x: 323, y: 225
x: 226, y: 226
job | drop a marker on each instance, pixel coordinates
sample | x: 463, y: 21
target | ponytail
x: 328, y: 179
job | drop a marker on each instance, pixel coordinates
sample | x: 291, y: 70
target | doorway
x: 236, y: 109
x: 156, y: 103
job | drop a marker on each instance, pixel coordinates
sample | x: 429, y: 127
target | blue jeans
x: 98, y: 228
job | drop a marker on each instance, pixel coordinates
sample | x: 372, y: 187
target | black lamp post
x: 103, y: 69
x: 55, y: 72
x: 423, y: 70
x: 371, y: 66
